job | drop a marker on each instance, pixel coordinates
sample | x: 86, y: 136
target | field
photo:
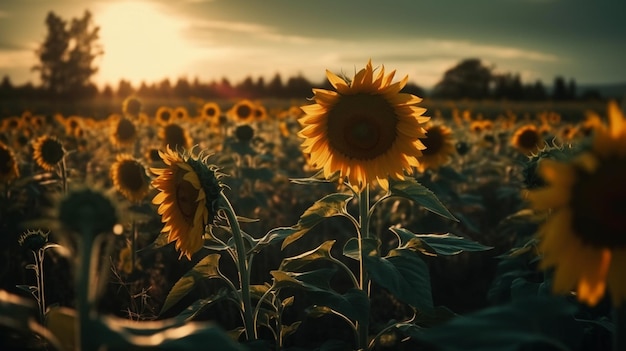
x: 287, y: 257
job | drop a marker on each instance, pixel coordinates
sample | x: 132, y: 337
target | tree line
x: 66, y: 67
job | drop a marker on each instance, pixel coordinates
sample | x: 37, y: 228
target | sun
x: 142, y: 42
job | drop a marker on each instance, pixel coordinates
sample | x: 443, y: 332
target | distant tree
x: 559, y: 89
x: 536, y: 91
x: 124, y: 89
x: 67, y: 55
x: 468, y: 79
x: 508, y: 86
x: 107, y: 92
x: 247, y: 88
x: 414, y: 89
x: 572, y: 89
x: 182, y: 88
x: 297, y: 86
x: 275, y: 86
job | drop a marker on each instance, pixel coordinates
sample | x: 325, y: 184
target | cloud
x: 10, y: 59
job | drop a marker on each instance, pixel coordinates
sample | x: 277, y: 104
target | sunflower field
x: 358, y: 218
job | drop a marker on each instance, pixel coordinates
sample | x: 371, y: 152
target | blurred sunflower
x: 11, y: 123
x: 260, y: 113
x: 48, y: 152
x: 242, y: 111
x: 124, y: 132
x: 188, y: 198
x: 367, y: 130
x: 72, y: 124
x: 211, y: 112
x: 476, y: 126
x: 527, y: 139
x: 131, y: 106
x: 174, y: 136
x: 8, y: 165
x: 181, y: 113
x: 440, y: 145
x: 164, y: 115
x: 584, y: 236
x: 130, y: 178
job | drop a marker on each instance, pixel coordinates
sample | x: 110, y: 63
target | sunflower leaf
x: 200, y: 305
x: 328, y: 206
x: 319, y: 253
x: 316, y: 178
x: 436, y: 244
x: 411, y: 189
x: 208, y: 267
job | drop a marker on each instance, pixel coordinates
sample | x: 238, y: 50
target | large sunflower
x: 130, y: 178
x: 584, y: 237
x: 8, y: 165
x: 367, y: 130
x: 188, y: 197
x: 48, y: 152
x: 440, y: 145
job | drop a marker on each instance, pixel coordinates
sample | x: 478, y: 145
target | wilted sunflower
x: 164, y: 115
x: 8, y: 165
x: 48, y: 152
x: 211, y: 112
x: 527, y: 139
x: 124, y: 132
x: 584, y: 237
x: 189, y: 191
x: 242, y: 111
x: 440, y: 145
x: 130, y: 178
x: 174, y: 136
x: 367, y: 130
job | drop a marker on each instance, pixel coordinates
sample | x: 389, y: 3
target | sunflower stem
x: 40, y: 282
x: 63, y: 175
x: 82, y: 282
x: 363, y: 233
x: 619, y: 336
x: 133, y: 245
x: 244, y: 276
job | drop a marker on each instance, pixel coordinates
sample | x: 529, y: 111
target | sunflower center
x: 362, y: 126
x: 165, y: 116
x: 528, y: 139
x: 243, y: 111
x: 434, y: 141
x: 210, y: 111
x: 175, y: 136
x: 125, y: 129
x: 186, y: 195
x: 131, y: 176
x: 599, y: 204
x: 51, y: 152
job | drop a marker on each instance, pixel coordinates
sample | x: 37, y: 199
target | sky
x: 149, y: 40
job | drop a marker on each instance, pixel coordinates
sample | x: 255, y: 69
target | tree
x: 67, y: 55
x: 468, y: 79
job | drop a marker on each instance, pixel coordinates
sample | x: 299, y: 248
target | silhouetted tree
x: 535, y: 91
x: 414, y: 89
x: 468, y: 79
x: 571, y: 89
x: 275, y: 86
x: 559, y: 89
x: 508, y: 86
x: 297, y: 86
x: 67, y: 54
x: 124, y: 89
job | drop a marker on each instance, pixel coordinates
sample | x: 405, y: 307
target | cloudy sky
x: 210, y: 39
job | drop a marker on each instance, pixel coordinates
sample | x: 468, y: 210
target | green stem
x: 63, y: 175
x: 363, y: 233
x: 82, y: 283
x: 619, y: 336
x: 41, y: 288
x: 244, y: 276
x: 133, y: 245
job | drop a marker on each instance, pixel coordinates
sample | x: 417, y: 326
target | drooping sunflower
x: 174, y: 136
x: 130, y: 178
x: 48, y: 152
x: 188, y: 198
x: 8, y: 165
x: 242, y: 111
x: 440, y: 146
x: 366, y: 129
x: 164, y: 115
x: 123, y: 132
x: 527, y: 139
x: 584, y: 236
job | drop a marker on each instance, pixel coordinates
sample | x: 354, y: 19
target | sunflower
x: 8, y: 165
x: 124, y: 132
x: 131, y: 106
x: 174, y: 136
x: 11, y: 124
x: 242, y: 111
x: 260, y: 113
x: 164, y: 115
x: 181, y: 113
x: 527, y: 139
x: 189, y: 190
x: 584, y: 236
x: 367, y: 130
x: 440, y: 145
x: 211, y: 112
x: 48, y: 152
x: 130, y: 178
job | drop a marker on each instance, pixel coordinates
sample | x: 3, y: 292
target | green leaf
x: 274, y: 235
x: 208, y: 267
x: 521, y: 325
x: 412, y: 190
x: 28, y: 288
x: 436, y: 244
x: 403, y: 273
x: 290, y: 329
x: 200, y: 305
x: 316, y: 178
x: 370, y: 248
x: 328, y: 206
x: 321, y: 252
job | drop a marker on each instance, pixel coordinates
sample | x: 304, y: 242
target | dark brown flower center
x: 362, y: 126
x: 186, y: 196
x: 210, y: 111
x: 125, y: 130
x: 528, y: 139
x: 243, y: 111
x: 131, y: 175
x: 434, y: 141
x: 175, y: 136
x: 51, y: 151
x: 165, y: 116
x: 598, y: 204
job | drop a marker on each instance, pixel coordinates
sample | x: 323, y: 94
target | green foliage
x: 414, y: 191
x: 436, y: 244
